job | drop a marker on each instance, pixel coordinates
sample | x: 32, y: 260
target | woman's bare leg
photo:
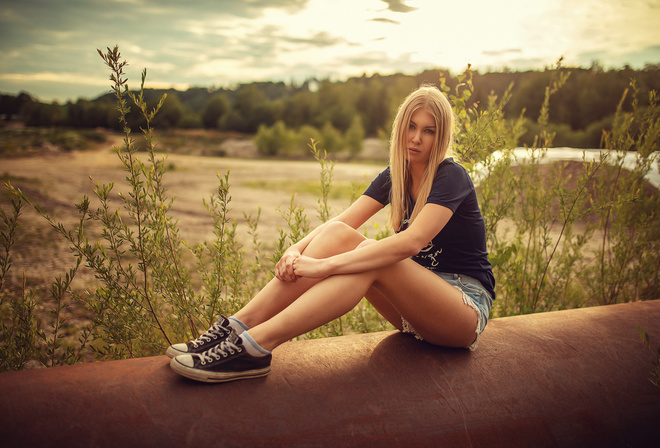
x: 277, y: 295
x: 431, y: 305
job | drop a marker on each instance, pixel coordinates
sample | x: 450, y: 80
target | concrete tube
x: 568, y: 378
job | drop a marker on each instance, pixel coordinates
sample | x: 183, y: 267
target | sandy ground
x: 58, y: 181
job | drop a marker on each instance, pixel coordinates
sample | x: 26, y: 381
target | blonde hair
x: 429, y: 98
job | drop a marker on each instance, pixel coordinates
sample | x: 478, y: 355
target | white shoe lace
x: 212, y: 333
x: 222, y: 350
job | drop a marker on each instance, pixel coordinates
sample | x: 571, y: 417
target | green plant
x: 545, y: 256
x: 627, y: 210
x: 22, y: 335
x: 275, y: 140
x: 154, y: 288
x: 355, y: 136
x: 331, y: 138
x: 325, y: 179
x: 533, y: 247
x: 18, y: 327
x: 19, y: 330
x: 144, y: 299
x: 220, y: 263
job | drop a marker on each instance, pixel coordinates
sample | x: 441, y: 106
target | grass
x: 339, y: 191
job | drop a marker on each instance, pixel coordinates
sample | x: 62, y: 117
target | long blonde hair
x: 429, y: 98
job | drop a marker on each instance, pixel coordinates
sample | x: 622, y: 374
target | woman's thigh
x: 436, y: 309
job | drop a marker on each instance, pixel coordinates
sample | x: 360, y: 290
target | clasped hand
x: 293, y: 265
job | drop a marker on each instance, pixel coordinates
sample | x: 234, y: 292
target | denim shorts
x: 474, y: 295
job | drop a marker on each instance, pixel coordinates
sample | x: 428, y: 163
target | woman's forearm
x: 373, y: 256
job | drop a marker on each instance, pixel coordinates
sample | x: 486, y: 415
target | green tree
x: 11, y: 106
x: 374, y: 107
x: 354, y: 136
x: 300, y: 109
x: 39, y: 114
x: 215, y: 108
x: 88, y: 114
x: 275, y: 140
x: 169, y: 114
x: 331, y: 138
x: 190, y: 120
x: 251, y: 109
x: 337, y: 104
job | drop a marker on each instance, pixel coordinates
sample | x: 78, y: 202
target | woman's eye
x: 429, y: 131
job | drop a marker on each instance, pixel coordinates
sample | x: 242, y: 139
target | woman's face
x: 420, y: 137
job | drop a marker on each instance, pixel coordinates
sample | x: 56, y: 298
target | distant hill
x: 578, y: 112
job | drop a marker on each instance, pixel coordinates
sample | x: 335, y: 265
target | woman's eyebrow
x: 427, y: 127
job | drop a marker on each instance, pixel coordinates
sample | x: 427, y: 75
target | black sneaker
x: 226, y: 361
x: 213, y: 336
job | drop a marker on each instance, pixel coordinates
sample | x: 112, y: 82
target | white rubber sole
x: 216, y: 377
x: 173, y: 353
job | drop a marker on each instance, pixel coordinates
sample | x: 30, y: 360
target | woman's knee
x: 339, y: 237
x: 366, y: 243
x: 340, y: 231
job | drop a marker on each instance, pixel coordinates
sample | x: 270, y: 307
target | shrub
x: 355, y: 136
x: 538, y: 226
x: 331, y: 138
x: 275, y: 140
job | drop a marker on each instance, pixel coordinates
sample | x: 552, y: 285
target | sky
x: 48, y: 47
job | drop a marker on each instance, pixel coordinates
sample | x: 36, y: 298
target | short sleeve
x: 451, y: 185
x: 380, y: 187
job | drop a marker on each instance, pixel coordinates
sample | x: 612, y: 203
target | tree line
x: 579, y: 112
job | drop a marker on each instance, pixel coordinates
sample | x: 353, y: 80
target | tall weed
x: 627, y: 209
x: 539, y: 217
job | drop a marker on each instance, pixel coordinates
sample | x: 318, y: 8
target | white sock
x: 252, y: 347
x: 238, y: 326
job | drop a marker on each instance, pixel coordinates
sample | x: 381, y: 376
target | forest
x: 357, y: 107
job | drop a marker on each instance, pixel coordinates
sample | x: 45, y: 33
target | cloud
x: 384, y: 63
x: 169, y: 37
x: 398, y: 6
x: 501, y: 52
x: 638, y: 58
x: 201, y: 8
x: 320, y: 39
x: 525, y: 63
x: 384, y: 20
x: 212, y: 42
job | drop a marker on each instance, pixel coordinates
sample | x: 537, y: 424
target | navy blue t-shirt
x: 460, y: 247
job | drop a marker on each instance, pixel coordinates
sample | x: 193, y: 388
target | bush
x: 355, y: 136
x: 538, y: 226
x: 539, y: 218
x: 190, y: 121
x: 331, y: 138
x: 275, y: 140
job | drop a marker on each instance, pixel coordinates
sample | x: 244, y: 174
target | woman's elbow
x: 413, y: 246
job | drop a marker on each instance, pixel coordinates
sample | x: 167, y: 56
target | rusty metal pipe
x: 568, y: 378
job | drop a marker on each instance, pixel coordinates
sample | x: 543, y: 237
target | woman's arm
x: 355, y: 215
x: 430, y: 221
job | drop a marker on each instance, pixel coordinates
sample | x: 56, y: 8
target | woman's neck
x: 416, y: 176
x: 416, y: 173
